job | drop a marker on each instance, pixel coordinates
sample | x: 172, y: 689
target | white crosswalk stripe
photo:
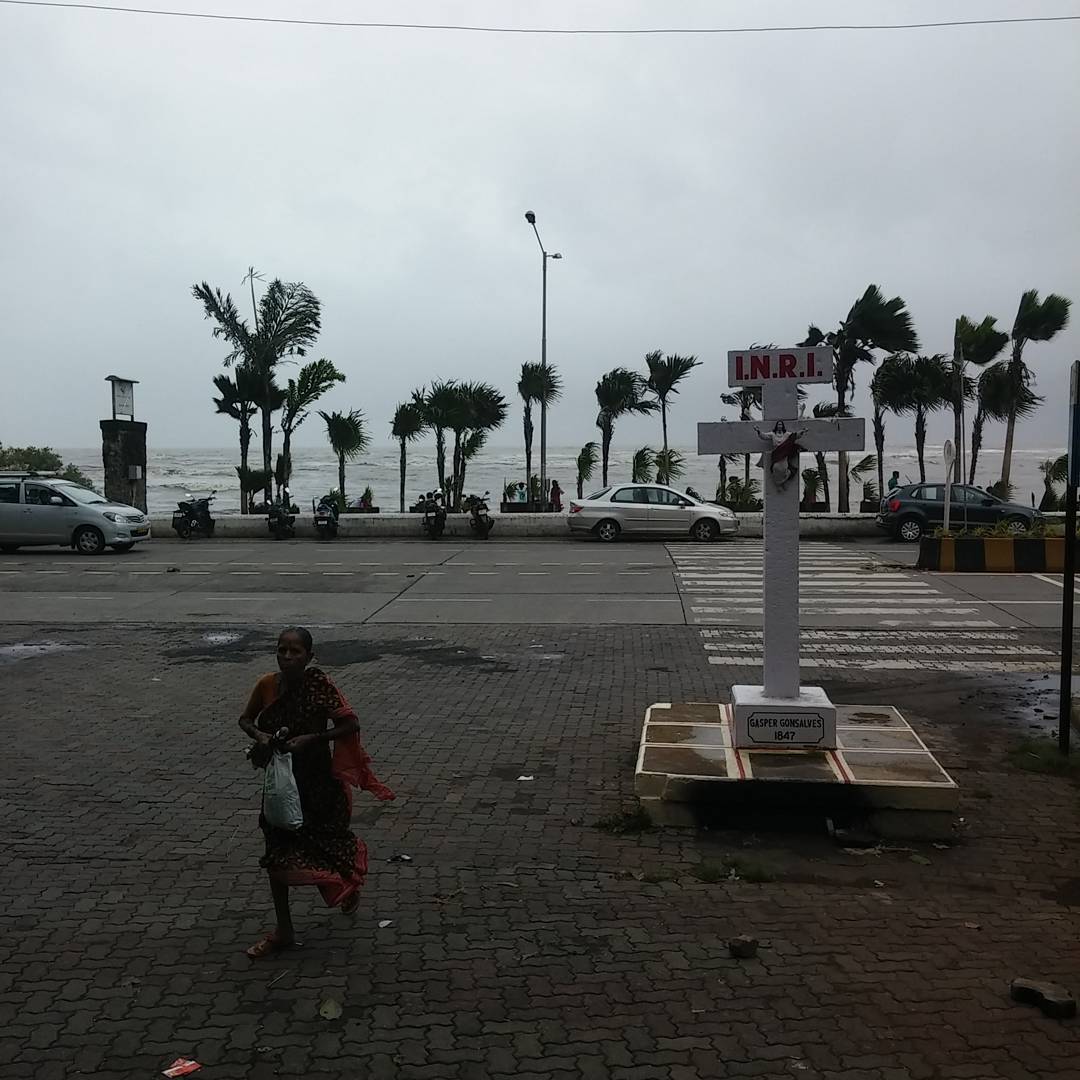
x: 857, y: 613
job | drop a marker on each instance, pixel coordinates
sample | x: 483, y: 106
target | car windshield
x: 83, y: 496
x: 598, y: 494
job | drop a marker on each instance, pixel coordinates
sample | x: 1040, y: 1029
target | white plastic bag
x: 281, y: 797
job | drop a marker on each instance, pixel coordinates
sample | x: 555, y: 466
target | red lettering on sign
x: 811, y: 370
x: 787, y: 365
x: 740, y: 373
x: 759, y: 366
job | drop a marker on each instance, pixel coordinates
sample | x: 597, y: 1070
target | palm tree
x: 857, y: 475
x: 587, y: 459
x: 287, y: 321
x: 826, y: 410
x: 641, y: 469
x: 408, y: 425
x: 665, y: 374
x: 973, y: 343
x: 670, y: 466
x: 1036, y: 320
x: 541, y: 385
x: 348, y: 439
x: 746, y: 399
x: 872, y: 323
x: 618, y: 393
x: 435, y: 406
x: 238, y: 400
x: 312, y: 381
x: 1055, y: 471
x: 722, y: 485
x: 994, y: 401
x: 474, y: 411
x: 928, y: 384
x: 887, y: 389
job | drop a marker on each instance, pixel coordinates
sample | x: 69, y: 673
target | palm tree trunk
x: 528, y: 424
x: 456, y: 501
x: 341, y: 478
x: 879, y: 445
x: 440, y: 457
x: 1006, y: 457
x: 823, y: 472
x: 245, y: 444
x: 401, y: 490
x: 268, y: 494
x: 663, y: 421
x: 580, y: 486
x: 976, y: 442
x: 723, y: 479
x: 746, y: 470
x: 286, y: 453
x: 605, y: 448
x: 920, y: 442
x: 843, y: 504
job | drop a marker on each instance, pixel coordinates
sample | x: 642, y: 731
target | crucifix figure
x: 781, y: 713
x: 782, y: 460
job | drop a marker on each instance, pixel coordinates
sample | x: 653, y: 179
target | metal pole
x: 543, y: 402
x: 1065, y: 698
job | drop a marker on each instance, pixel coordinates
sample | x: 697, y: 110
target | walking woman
x: 323, y: 851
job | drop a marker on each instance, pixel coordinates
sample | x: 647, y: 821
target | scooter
x: 480, y: 520
x: 280, y: 519
x: 325, y: 517
x: 192, y: 517
x: 434, y: 516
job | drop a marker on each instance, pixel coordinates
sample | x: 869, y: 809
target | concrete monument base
x: 881, y: 775
x: 808, y: 721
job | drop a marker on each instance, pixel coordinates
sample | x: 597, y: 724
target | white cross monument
x: 781, y: 713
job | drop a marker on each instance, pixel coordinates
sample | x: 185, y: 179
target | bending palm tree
x: 746, y: 399
x: 1036, y: 320
x: 973, y: 343
x: 1055, y: 471
x: 435, y: 407
x: 239, y: 395
x: 872, y: 323
x: 348, y: 439
x: 618, y: 393
x: 587, y: 460
x: 670, y: 466
x: 995, y: 401
x: 407, y: 426
x: 887, y: 389
x: 287, y: 322
x: 665, y: 374
x: 540, y: 385
x: 475, y: 410
x: 312, y: 381
x: 826, y: 410
x: 928, y: 381
x: 641, y: 468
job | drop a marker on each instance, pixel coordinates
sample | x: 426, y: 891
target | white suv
x: 37, y: 510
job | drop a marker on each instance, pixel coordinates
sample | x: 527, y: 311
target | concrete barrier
x: 507, y: 526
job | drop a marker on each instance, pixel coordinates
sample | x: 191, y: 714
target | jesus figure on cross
x: 782, y: 460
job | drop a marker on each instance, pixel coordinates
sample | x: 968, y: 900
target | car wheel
x: 910, y: 530
x: 1017, y: 525
x: 122, y: 549
x: 608, y: 531
x: 89, y: 541
x: 705, y: 530
x: 9, y: 549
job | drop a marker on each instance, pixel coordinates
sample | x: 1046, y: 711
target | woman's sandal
x: 269, y: 945
x: 351, y: 903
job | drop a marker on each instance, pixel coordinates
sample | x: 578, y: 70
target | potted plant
x: 871, y: 500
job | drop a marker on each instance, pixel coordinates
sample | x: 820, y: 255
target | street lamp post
x: 530, y: 217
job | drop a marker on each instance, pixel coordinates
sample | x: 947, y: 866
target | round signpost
x: 949, y: 454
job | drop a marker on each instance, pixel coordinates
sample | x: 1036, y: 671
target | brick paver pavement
x: 524, y: 941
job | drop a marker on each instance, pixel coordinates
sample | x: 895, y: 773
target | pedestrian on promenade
x: 556, y: 496
x: 894, y: 481
x: 324, y: 851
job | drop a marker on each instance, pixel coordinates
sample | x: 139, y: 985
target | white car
x: 649, y: 508
x: 37, y: 510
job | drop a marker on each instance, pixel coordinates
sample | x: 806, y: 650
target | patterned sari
x: 323, y: 851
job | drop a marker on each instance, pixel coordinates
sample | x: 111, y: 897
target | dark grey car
x: 911, y: 511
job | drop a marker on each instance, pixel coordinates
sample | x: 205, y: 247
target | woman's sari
x: 323, y: 851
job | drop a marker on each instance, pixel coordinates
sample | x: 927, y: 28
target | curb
x: 992, y: 554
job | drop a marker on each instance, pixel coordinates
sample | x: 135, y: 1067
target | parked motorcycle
x: 434, y: 516
x: 192, y: 517
x: 480, y: 520
x: 325, y: 517
x: 280, y: 520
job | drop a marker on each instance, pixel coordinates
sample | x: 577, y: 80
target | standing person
x: 556, y: 497
x: 323, y: 851
x: 894, y: 481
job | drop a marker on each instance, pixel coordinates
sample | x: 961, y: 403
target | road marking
x: 532, y: 573
x: 584, y: 573
x: 64, y: 571
x: 93, y: 596
x: 337, y: 573
x: 483, y: 573
x: 195, y: 573
x: 1051, y: 581
x: 386, y: 573
x: 441, y: 600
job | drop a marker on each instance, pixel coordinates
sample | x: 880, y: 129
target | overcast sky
x: 706, y: 192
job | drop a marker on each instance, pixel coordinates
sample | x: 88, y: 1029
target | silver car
x: 648, y: 508
x: 37, y: 510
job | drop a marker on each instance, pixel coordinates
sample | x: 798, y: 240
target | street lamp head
x: 530, y: 217
x: 556, y: 255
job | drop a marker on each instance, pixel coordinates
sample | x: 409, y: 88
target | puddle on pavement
x: 12, y: 654
x: 1027, y: 703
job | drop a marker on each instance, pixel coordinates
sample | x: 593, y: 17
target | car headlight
x: 110, y: 516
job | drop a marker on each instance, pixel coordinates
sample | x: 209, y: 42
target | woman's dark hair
x: 302, y: 634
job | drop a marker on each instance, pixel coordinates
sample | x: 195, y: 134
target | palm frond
x: 670, y: 466
x: 666, y: 372
x: 347, y: 433
x: 587, y: 460
x: 1040, y: 320
x: 539, y: 383
x: 641, y: 469
x: 408, y: 422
